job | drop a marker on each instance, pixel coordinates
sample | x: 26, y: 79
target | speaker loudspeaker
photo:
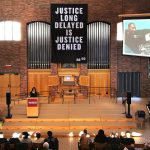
x: 8, y: 98
x: 128, y: 97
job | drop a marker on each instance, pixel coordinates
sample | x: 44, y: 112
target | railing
x: 88, y: 92
x: 70, y: 93
x: 73, y: 92
x: 102, y: 92
x: 19, y: 97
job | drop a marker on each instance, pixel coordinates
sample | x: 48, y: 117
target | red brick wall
x: 83, y: 69
x: 132, y: 63
x: 24, y: 11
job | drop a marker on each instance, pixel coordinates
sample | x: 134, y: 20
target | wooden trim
x: 134, y: 15
x: 39, y: 70
x: 93, y: 71
x: 68, y: 71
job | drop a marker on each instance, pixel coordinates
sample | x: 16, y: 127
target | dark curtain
x: 129, y: 81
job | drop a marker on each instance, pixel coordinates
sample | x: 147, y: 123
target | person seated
x: 52, y: 141
x: 33, y: 92
x: 45, y: 146
x: 2, y: 139
x: 127, y: 142
x: 25, y: 142
x: 113, y: 141
x: 38, y: 138
x: 85, y: 141
x: 3, y: 142
x: 100, y: 140
x: 100, y: 137
x: 38, y: 141
x: 25, y: 138
x: 14, y: 139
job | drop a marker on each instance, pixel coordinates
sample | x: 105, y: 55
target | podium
x: 32, y: 107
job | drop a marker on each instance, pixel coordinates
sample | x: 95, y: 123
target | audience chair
x: 100, y: 146
x: 140, y: 119
x: 84, y: 147
x: 24, y: 146
x: 12, y: 146
x: 2, y: 146
x: 129, y: 147
x: 19, y: 97
x: 37, y: 146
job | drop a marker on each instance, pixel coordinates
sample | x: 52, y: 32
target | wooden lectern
x: 32, y: 107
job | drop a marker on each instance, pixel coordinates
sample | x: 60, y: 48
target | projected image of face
x: 131, y: 27
x: 137, y: 37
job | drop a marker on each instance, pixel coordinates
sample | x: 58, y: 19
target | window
x: 10, y: 31
x: 119, y: 31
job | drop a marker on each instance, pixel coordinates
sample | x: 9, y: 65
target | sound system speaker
x: 128, y: 97
x: 8, y: 98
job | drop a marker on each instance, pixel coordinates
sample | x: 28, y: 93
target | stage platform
x: 102, y: 113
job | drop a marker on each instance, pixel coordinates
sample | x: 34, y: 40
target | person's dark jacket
x: 53, y: 143
x: 127, y: 141
x: 3, y: 140
x: 100, y: 139
x: 33, y: 94
x: 14, y: 140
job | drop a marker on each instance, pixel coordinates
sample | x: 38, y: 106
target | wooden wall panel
x: 15, y: 84
x: 4, y: 80
x: 66, y: 71
x: 100, y: 81
x: 39, y: 79
x: 13, y: 80
x: 53, y: 80
x: 84, y: 80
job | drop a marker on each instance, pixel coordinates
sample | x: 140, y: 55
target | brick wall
x: 25, y: 11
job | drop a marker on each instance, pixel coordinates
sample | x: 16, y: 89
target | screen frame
x: 137, y: 21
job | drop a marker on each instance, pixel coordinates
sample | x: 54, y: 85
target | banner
x: 69, y: 33
x: 32, y: 102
